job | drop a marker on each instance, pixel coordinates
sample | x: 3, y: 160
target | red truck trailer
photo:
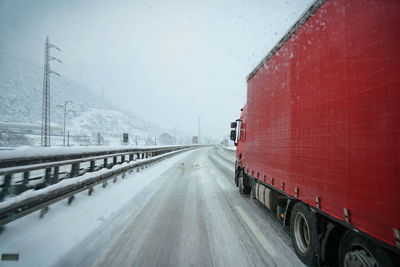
x: 318, y: 140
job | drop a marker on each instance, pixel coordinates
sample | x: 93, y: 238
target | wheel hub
x: 359, y: 258
x: 301, y: 233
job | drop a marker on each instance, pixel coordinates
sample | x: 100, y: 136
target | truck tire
x: 243, y: 189
x: 237, y: 171
x: 253, y: 191
x: 358, y: 251
x: 303, y: 229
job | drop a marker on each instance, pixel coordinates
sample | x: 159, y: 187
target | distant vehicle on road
x: 195, y: 140
x: 318, y: 139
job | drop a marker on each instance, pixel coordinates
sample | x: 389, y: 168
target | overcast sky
x: 167, y: 61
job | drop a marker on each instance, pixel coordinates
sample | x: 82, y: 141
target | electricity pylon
x: 45, y: 131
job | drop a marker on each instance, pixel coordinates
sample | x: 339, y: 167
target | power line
x: 21, y: 28
x: 66, y: 64
x: 16, y: 41
x: 29, y: 62
x: 15, y: 56
x: 37, y: 38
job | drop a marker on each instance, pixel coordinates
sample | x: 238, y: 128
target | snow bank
x: 28, y: 151
x: 71, y: 181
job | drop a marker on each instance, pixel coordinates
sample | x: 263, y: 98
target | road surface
x: 191, y: 215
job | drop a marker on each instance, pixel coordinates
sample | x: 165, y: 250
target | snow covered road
x: 184, y: 211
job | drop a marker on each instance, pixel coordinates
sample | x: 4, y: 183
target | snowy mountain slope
x: 111, y: 122
x: 21, y: 92
x: 21, y: 102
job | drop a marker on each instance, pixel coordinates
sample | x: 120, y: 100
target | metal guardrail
x: 41, y: 200
x: 19, y: 161
x: 21, y: 174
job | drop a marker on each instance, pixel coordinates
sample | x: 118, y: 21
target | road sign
x: 125, y: 138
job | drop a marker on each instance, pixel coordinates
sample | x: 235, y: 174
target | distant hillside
x: 21, y: 102
x: 111, y: 122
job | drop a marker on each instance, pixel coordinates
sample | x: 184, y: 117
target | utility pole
x: 155, y: 140
x: 136, y: 141
x: 175, y: 135
x: 68, y: 139
x: 199, y: 130
x: 66, y: 111
x: 45, y: 130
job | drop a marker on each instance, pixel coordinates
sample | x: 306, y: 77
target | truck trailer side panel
x: 323, y: 115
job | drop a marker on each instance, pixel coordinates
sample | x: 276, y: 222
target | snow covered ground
x: 233, y: 148
x: 41, y: 242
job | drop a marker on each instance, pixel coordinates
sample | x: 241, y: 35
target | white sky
x: 167, y: 61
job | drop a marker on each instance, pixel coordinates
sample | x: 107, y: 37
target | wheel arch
x: 238, y: 169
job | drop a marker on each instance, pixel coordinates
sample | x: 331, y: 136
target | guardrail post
x: 90, y: 191
x: 131, y: 157
x: 105, y: 163
x: 6, y: 186
x: 25, y: 181
x: 122, y: 158
x: 114, y: 161
x: 70, y: 199
x: 75, y: 169
x: 47, y: 176
x: 55, y: 174
x: 92, y: 166
x: 43, y: 212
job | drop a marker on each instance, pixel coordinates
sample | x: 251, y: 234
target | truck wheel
x: 243, y: 190
x: 253, y: 191
x: 358, y: 251
x: 237, y: 171
x: 303, y: 229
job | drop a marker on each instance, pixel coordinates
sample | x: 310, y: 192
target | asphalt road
x: 192, y: 216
